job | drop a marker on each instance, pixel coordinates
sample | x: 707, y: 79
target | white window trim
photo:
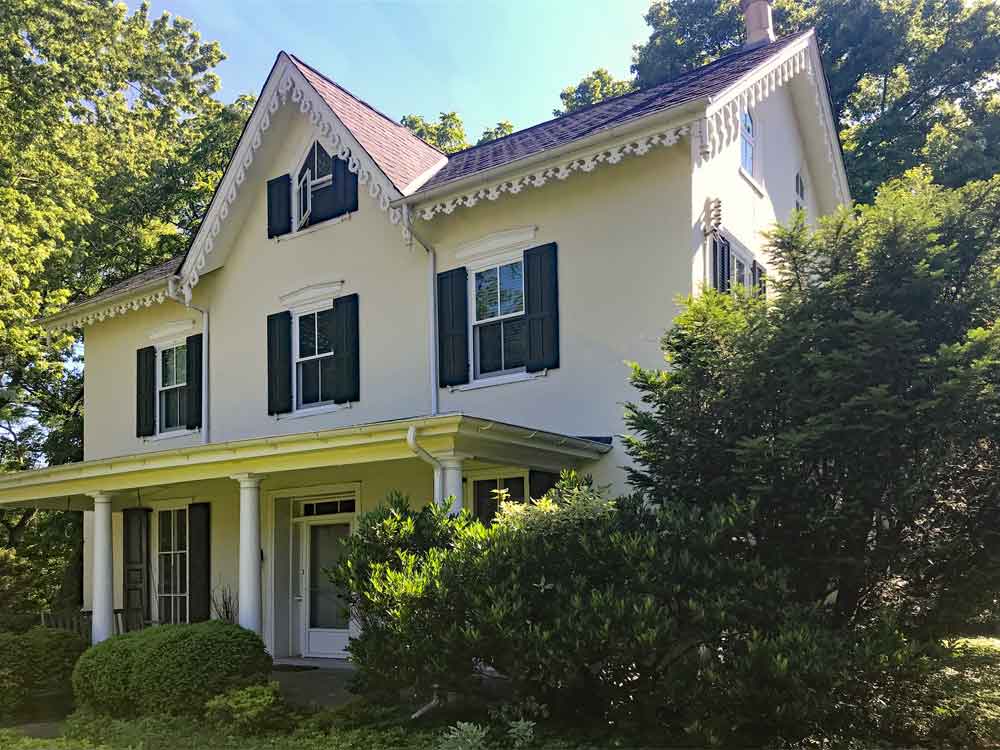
x: 750, y: 136
x: 154, y: 546
x: 303, y: 152
x: 509, y: 240
x: 323, y: 406
x: 502, y: 472
x: 312, y: 298
x: 483, y: 263
x: 742, y: 251
x: 752, y: 181
x: 159, y: 433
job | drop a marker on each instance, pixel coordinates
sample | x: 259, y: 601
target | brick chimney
x: 757, y: 17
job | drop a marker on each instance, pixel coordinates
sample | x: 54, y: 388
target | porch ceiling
x: 457, y: 435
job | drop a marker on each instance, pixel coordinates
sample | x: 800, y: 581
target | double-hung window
x: 498, y: 334
x: 172, y: 565
x: 315, y: 182
x: 486, y: 495
x: 314, y: 364
x: 747, y: 143
x: 172, y: 391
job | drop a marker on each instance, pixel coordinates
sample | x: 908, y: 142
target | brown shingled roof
x: 400, y: 154
x: 705, y: 81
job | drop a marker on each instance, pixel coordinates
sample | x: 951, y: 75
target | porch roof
x: 68, y: 486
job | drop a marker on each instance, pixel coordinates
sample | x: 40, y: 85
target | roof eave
x: 79, y: 310
x: 681, y: 114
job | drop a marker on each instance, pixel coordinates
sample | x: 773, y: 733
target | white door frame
x: 304, y: 525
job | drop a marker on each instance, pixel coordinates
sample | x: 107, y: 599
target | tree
x: 903, y: 75
x: 503, y: 128
x: 856, y: 411
x: 132, y: 145
x: 592, y: 88
x: 447, y: 134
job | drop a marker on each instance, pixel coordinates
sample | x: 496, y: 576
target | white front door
x: 325, y: 614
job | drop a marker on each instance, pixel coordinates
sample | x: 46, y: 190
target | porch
x: 245, y: 529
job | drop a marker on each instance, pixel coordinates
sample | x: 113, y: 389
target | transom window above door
x: 314, y: 363
x: 498, y: 338
x: 172, y: 388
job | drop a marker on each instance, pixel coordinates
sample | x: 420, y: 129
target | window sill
x: 758, y: 188
x: 312, y: 411
x: 313, y: 228
x: 516, y: 377
x: 169, y: 435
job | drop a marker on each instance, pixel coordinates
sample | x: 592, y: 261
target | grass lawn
x: 958, y: 707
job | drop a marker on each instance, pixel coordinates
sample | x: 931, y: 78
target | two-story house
x: 360, y: 313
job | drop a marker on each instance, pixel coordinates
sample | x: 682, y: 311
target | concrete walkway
x: 314, y: 683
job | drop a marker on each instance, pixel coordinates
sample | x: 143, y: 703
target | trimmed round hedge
x: 36, y: 666
x: 169, y: 669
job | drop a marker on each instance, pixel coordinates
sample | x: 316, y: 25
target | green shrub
x: 250, y: 710
x: 36, y: 667
x: 169, y: 669
x: 640, y: 618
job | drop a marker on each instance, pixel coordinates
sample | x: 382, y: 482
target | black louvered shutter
x: 279, y: 206
x: 195, y: 355
x: 722, y: 259
x: 145, y: 392
x: 199, y: 562
x: 541, y: 307
x: 135, y: 553
x: 346, y: 183
x: 453, y: 327
x: 279, y: 363
x: 346, y: 366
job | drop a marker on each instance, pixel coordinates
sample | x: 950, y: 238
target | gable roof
x: 703, y: 82
x: 401, y: 155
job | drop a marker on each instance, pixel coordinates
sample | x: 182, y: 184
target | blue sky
x: 488, y: 59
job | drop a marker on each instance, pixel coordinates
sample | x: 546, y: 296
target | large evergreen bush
x: 35, y: 667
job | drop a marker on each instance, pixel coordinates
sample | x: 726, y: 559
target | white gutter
x: 411, y: 440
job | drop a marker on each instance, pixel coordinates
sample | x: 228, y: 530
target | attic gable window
x: 747, y: 143
x: 315, y: 186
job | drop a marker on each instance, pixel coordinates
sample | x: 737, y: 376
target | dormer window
x: 747, y: 143
x: 315, y: 185
x: 323, y: 188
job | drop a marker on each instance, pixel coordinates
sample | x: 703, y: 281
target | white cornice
x: 322, y: 292
x: 286, y: 84
x: 171, y: 331
x: 510, y: 239
x: 586, y: 161
x: 87, y: 314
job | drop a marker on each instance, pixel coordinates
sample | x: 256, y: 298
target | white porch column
x: 452, y: 470
x: 103, y: 604
x: 249, y: 583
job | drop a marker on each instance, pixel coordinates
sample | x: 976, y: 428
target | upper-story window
x: 315, y: 185
x: 498, y: 330
x: 747, y: 142
x: 172, y: 388
x: 314, y: 364
x: 800, y: 192
x: 732, y: 267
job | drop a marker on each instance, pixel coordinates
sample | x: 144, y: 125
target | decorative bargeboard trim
x: 289, y: 86
x: 586, y: 163
x: 104, y: 312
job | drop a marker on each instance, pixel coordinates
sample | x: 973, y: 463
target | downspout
x: 172, y: 294
x: 432, y: 342
x: 411, y: 440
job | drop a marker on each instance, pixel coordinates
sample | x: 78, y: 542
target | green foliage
x: 912, y: 81
x: 252, y: 710
x: 651, y: 620
x: 592, y: 88
x: 446, y: 135
x: 854, y: 415
x: 464, y: 735
x: 14, y: 740
x: 503, y: 128
x: 35, y: 667
x: 169, y: 669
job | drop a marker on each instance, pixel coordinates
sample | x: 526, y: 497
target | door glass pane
x: 327, y: 608
x: 166, y: 531
x: 487, y: 294
x: 514, y: 487
x: 511, y: 289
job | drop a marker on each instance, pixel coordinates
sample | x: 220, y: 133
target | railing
x: 80, y: 622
